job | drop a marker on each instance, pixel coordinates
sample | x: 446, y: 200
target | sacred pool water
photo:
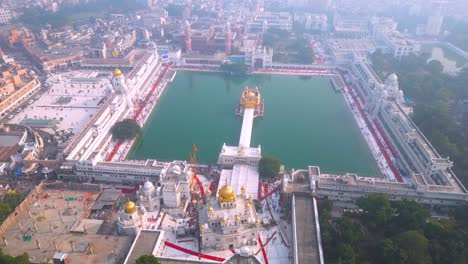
x: 305, y: 122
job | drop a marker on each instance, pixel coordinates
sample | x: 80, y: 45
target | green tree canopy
x: 235, y: 68
x: 20, y: 259
x: 414, y: 247
x: 125, y: 129
x: 268, y: 167
x: 408, y: 216
x: 147, y: 259
x: 377, y: 209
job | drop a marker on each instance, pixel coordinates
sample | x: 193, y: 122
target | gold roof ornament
x: 247, y: 205
x: 257, y: 221
x: 251, y: 198
x: 117, y: 72
x: 210, y: 209
x: 226, y: 194
x: 250, y: 94
x: 130, y: 207
x: 243, y: 188
x: 238, y: 218
x: 224, y: 219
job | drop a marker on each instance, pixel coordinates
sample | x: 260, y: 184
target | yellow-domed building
x: 250, y: 98
x: 129, y: 220
x: 226, y: 194
x: 228, y: 221
x: 117, y: 73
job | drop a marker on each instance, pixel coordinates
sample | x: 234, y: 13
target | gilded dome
x: 130, y: 207
x: 247, y: 205
x: 250, y: 94
x: 116, y: 72
x: 226, y: 194
x: 210, y: 209
x: 243, y: 188
x: 238, y: 218
x: 257, y: 221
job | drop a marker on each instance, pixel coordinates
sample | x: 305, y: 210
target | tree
x: 125, y: 129
x: 147, y: 259
x: 236, y: 68
x: 346, y: 254
x: 414, y: 246
x: 389, y: 253
x: 377, y: 209
x: 350, y: 232
x: 20, y: 259
x: 408, y: 216
x: 268, y: 167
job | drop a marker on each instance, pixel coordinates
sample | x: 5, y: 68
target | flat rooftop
x: 69, y: 100
x: 306, y: 233
x: 46, y: 220
x: 241, y: 175
x: 144, y: 245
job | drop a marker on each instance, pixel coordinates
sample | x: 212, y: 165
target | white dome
x: 148, y: 185
x: 392, y: 77
x: 176, y: 169
x: 245, y: 251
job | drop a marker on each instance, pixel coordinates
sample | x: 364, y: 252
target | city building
x: 263, y: 21
x: 415, y: 154
x: 399, y: 45
x: 94, y: 140
x: 130, y: 221
x: 259, y: 57
x: 5, y: 14
x: 17, y: 85
x: 228, y: 221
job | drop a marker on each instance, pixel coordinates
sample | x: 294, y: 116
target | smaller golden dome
x: 210, y: 209
x: 117, y: 72
x: 257, y: 221
x: 224, y: 219
x: 237, y: 218
x: 247, y: 205
x: 243, y: 188
x: 130, y: 207
x: 202, y: 227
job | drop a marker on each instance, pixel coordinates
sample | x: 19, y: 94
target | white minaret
x: 120, y: 87
x: 393, y: 91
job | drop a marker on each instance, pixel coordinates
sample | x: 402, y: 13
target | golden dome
x: 237, y: 218
x: 210, y: 209
x: 130, y: 207
x: 202, y: 227
x: 247, y: 205
x: 250, y: 94
x: 116, y: 72
x: 224, y: 219
x: 226, y: 194
x: 243, y: 188
x: 257, y: 221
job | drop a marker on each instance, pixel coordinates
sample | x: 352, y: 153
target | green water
x: 305, y: 122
